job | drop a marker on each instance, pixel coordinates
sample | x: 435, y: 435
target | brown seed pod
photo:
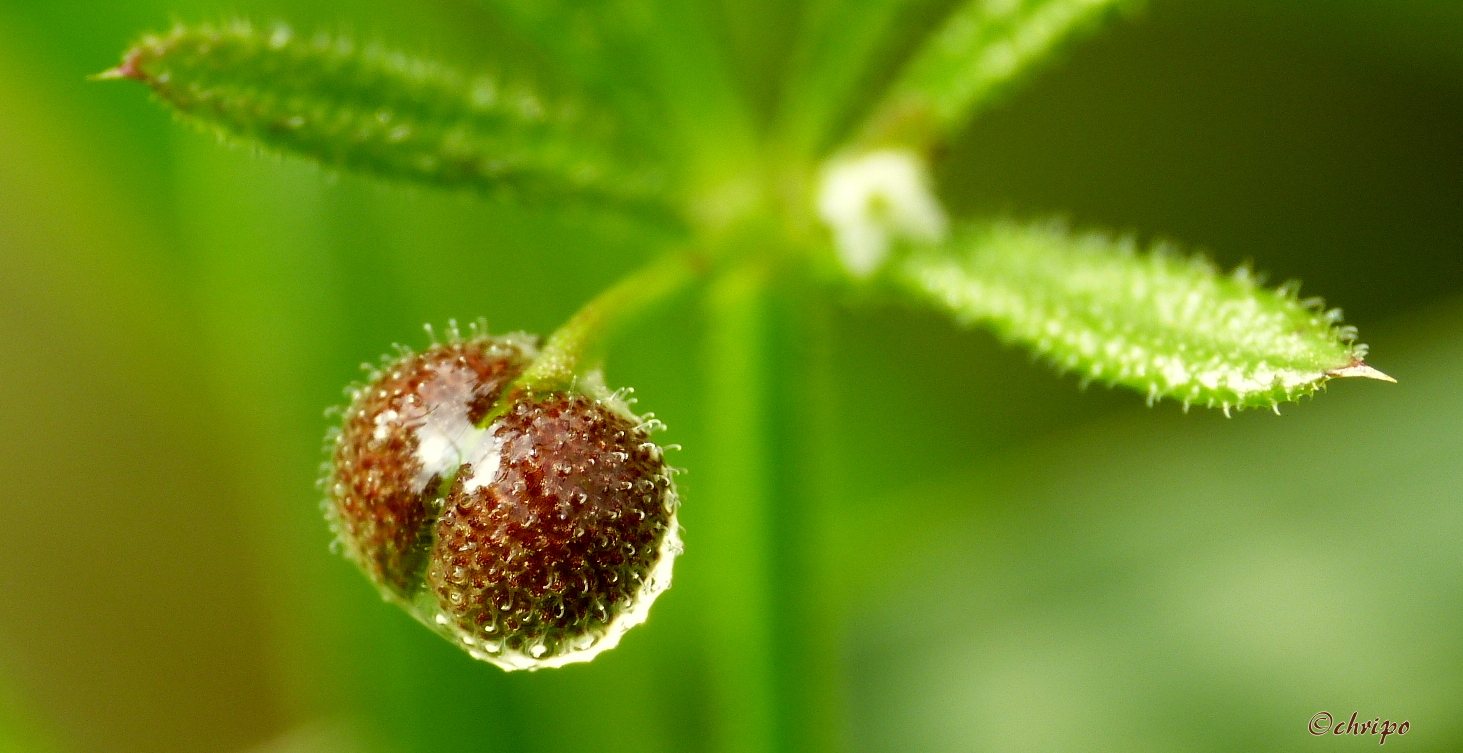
x: 558, y: 535
x: 401, y: 439
x: 534, y: 541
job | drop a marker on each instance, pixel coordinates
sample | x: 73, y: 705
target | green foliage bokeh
x: 995, y: 560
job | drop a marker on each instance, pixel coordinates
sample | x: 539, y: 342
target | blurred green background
x: 975, y: 556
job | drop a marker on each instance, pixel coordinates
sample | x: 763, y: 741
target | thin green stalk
x: 580, y: 341
x: 820, y: 694
x: 735, y: 517
x: 806, y: 499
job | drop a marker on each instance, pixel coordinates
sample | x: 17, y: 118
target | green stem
x: 582, y: 338
x: 807, y: 510
x: 735, y: 517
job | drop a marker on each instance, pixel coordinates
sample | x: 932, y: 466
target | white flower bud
x: 875, y: 198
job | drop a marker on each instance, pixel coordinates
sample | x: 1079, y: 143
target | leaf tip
x: 1360, y: 369
x: 129, y: 68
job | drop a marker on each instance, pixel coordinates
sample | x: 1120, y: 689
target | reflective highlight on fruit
x: 401, y: 438
x: 534, y: 541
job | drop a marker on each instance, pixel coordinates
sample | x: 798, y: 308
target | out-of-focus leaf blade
x: 982, y: 46
x: 1165, y: 324
x: 662, y: 65
x: 835, y: 43
x: 385, y: 113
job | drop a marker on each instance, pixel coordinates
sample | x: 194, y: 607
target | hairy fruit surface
x: 531, y: 529
x: 401, y: 438
x: 558, y: 536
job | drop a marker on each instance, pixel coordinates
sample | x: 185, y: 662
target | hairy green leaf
x: 364, y: 108
x: 982, y: 45
x: 1165, y: 324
